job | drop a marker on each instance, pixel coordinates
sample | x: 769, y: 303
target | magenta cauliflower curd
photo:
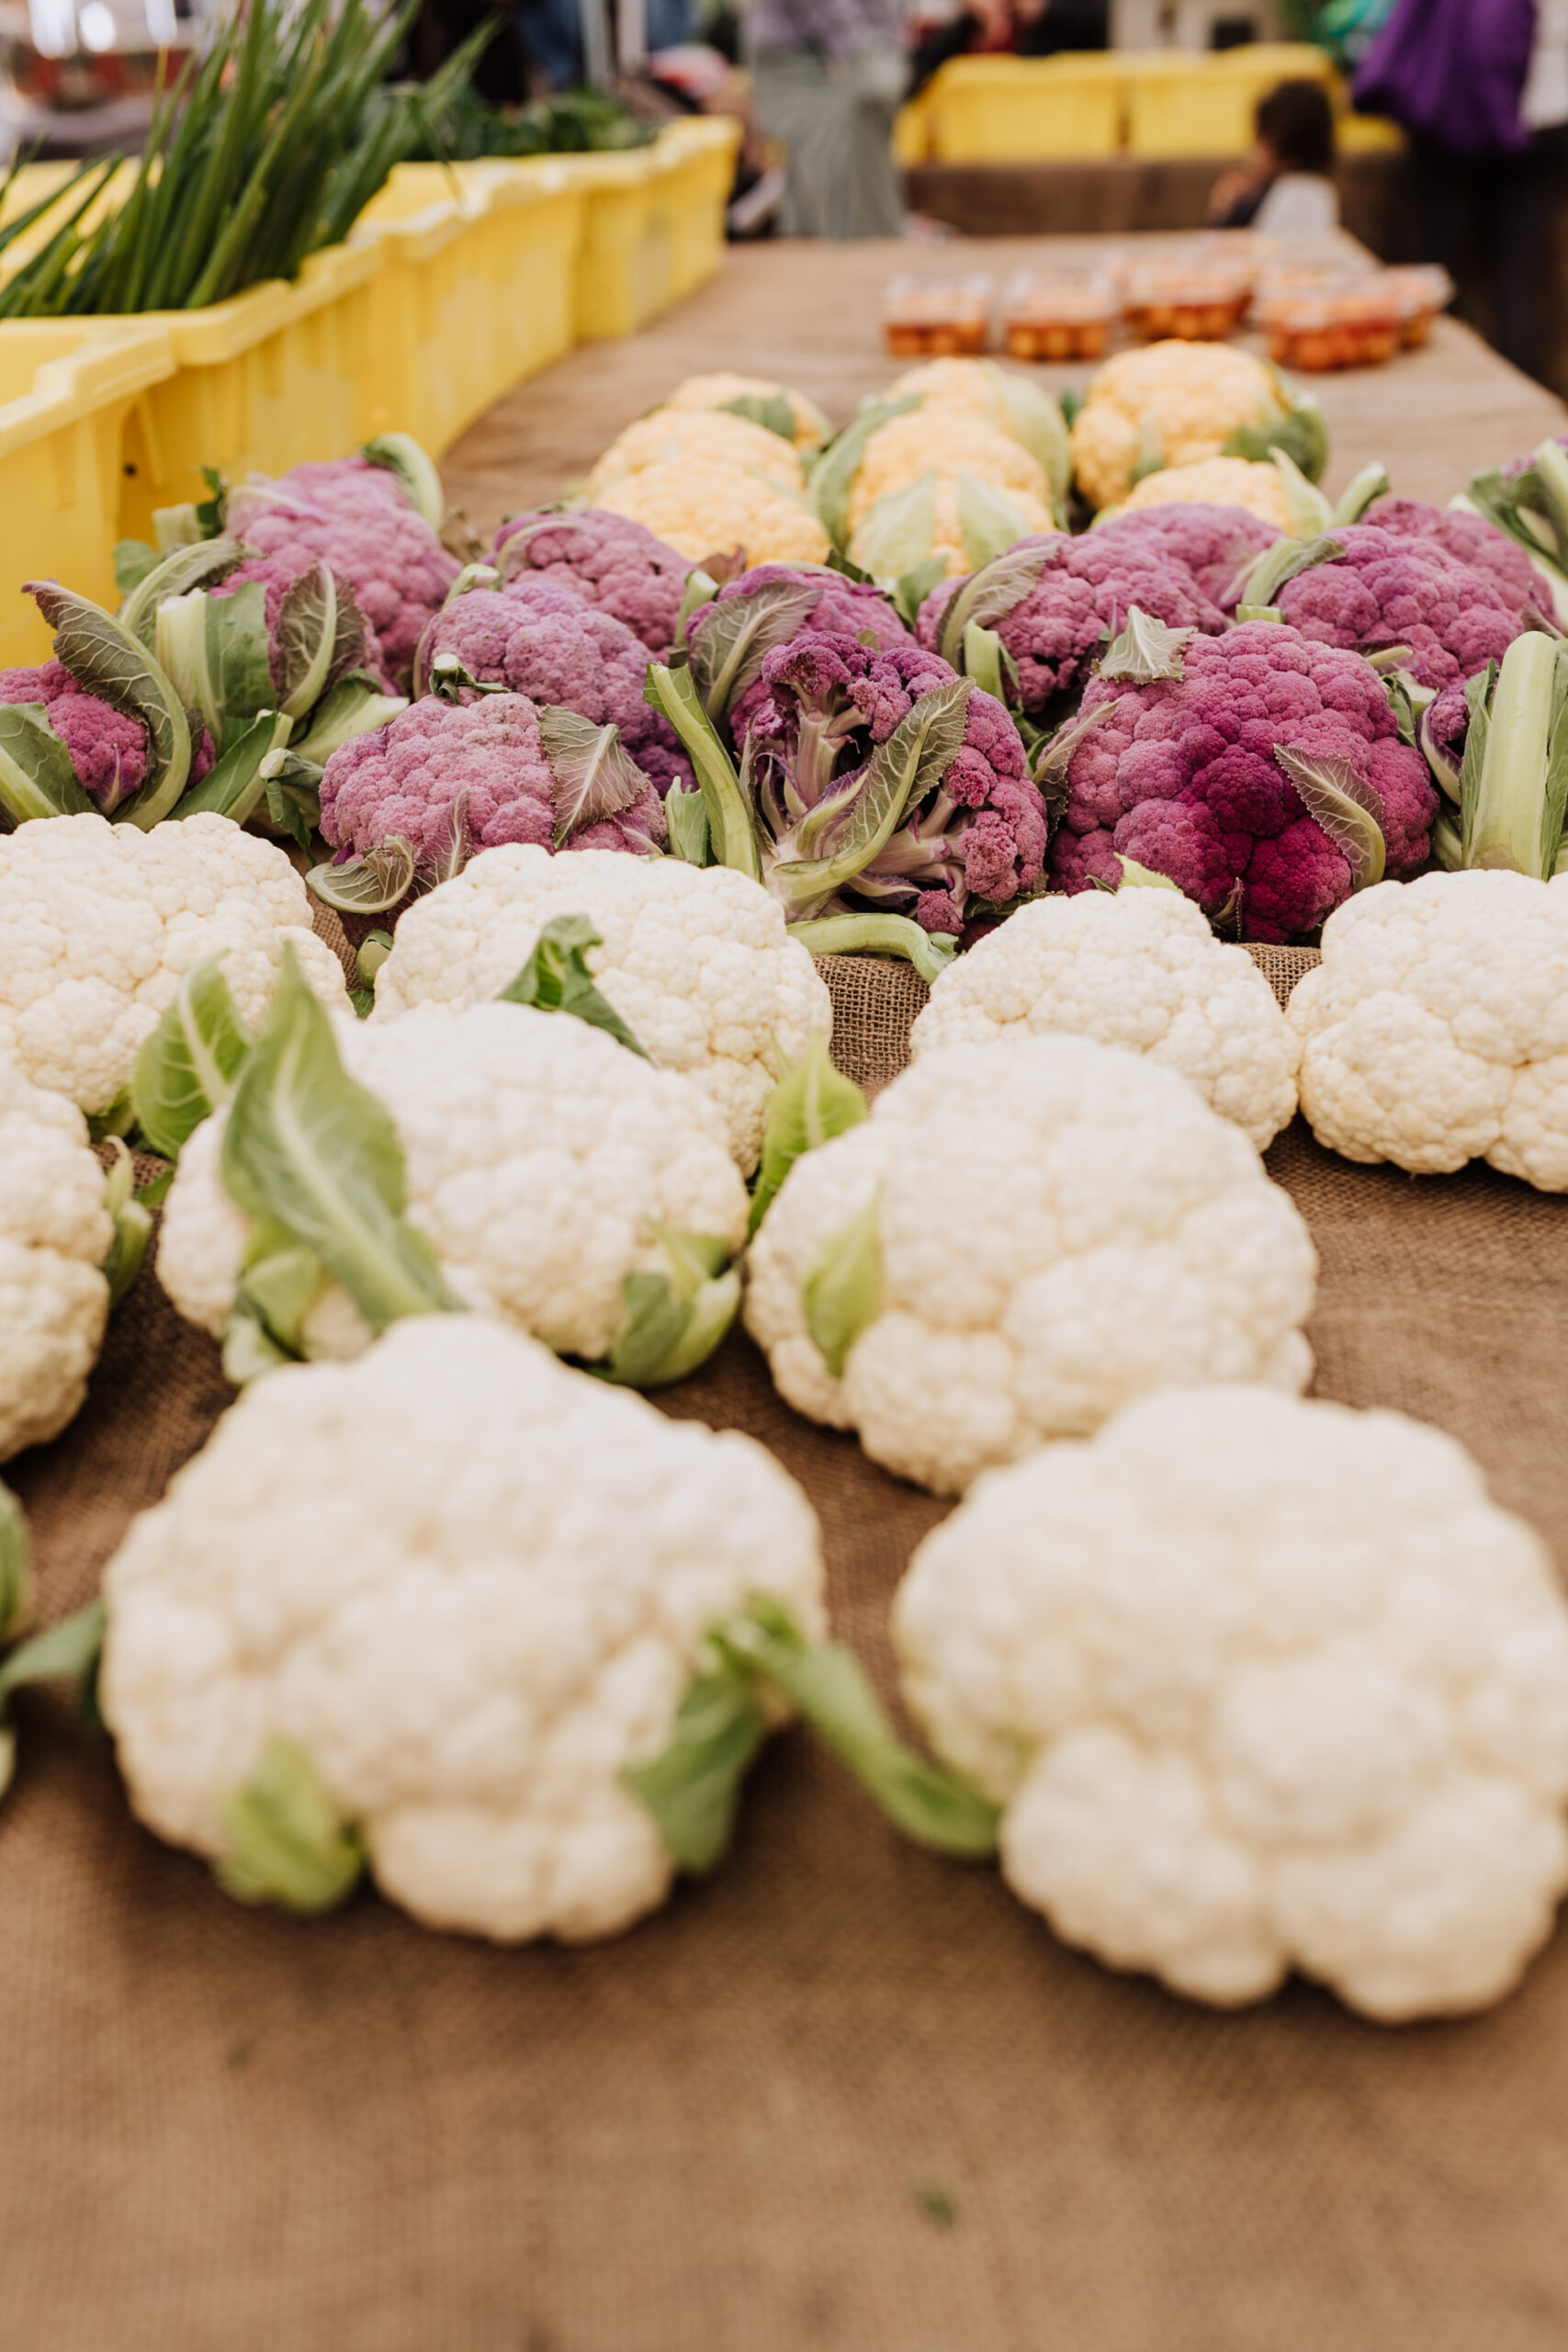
x: 974, y: 833
x: 1056, y: 601
x: 606, y: 560
x: 1215, y: 543
x: 1384, y: 590
x: 1192, y: 776
x: 1474, y: 540
x: 452, y: 780
x: 536, y: 640
x: 354, y: 517
x: 108, y: 750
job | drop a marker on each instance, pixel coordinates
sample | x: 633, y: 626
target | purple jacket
x: 1453, y: 72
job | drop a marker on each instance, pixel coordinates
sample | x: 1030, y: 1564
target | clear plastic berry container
x: 1419, y: 293
x: 1192, y: 300
x: 1355, y: 325
x: 936, y: 317
x: 1058, y: 315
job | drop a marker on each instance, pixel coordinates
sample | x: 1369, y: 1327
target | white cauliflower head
x: 696, y: 961
x: 54, y: 1236
x: 100, y: 922
x: 1060, y: 1226
x: 1436, y: 1028
x: 472, y: 1587
x: 1259, y: 1684
x: 1133, y: 967
x: 538, y: 1151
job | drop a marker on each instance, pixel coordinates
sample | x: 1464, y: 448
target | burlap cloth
x: 845, y: 2097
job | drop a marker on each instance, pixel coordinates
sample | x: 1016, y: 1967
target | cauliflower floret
x: 1179, y: 401
x: 1436, y: 1028
x: 946, y: 441
x: 54, y: 1236
x: 1260, y: 1684
x: 101, y: 921
x: 1061, y: 1224
x: 450, y: 779
x: 710, y: 433
x: 472, y: 1587
x: 1473, y: 540
x: 1215, y: 543
x: 1054, y: 626
x: 1009, y: 398
x: 549, y: 645
x: 1182, y: 775
x: 716, y: 392
x: 355, y: 516
x: 947, y: 536
x: 702, y: 508
x: 1139, y: 969
x: 536, y: 1150
x: 607, y: 560
x: 1214, y: 481
x: 696, y: 961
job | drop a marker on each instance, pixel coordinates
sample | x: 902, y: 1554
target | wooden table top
x: 807, y: 313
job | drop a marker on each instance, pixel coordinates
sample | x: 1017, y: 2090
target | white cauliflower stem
x: 1139, y: 969
x: 54, y: 1235
x: 1436, y: 1028
x: 1061, y: 1226
x: 1259, y: 1684
x: 696, y: 962
x: 100, y: 922
x: 472, y: 1587
x: 536, y: 1152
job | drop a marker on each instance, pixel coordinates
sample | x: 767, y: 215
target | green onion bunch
x: 268, y: 147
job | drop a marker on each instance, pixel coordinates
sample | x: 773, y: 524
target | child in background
x: 1284, y: 189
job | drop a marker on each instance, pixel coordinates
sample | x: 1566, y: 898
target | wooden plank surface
x: 807, y: 313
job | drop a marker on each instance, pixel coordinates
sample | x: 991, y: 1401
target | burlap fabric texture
x: 845, y: 2097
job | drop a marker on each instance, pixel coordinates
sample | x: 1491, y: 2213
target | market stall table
x: 807, y: 314
x: 845, y: 2095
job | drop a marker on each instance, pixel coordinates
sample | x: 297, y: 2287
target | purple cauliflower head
x: 1067, y: 608
x: 1386, y: 590
x: 538, y: 640
x: 108, y: 750
x: 277, y: 574
x: 973, y: 832
x: 611, y: 561
x: 1470, y: 537
x: 453, y: 779
x: 1215, y: 543
x: 1181, y: 776
x: 803, y: 596
x: 355, y: 516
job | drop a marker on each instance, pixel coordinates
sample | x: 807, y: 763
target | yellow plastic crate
x: 653, y: 224
x: 476, y: 288
x: 279, y: 374
x: 1187, y: 102
x: 1363, y: 134
x: 68, y: 388
x: 1026, y: 110
x: 912, y: 131
x: 695, y: 180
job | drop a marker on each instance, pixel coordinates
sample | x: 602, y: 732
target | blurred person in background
x: 980, y: 28
x: 1025, y: 28
x: 1286, y: 186
x: 1482, y: 88
x: 1047, y: 28
x: 828, y: 78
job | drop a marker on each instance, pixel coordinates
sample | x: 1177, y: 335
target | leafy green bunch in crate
x: 268, y: 147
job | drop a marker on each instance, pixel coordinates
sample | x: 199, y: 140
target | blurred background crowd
x: 1473, y: 94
